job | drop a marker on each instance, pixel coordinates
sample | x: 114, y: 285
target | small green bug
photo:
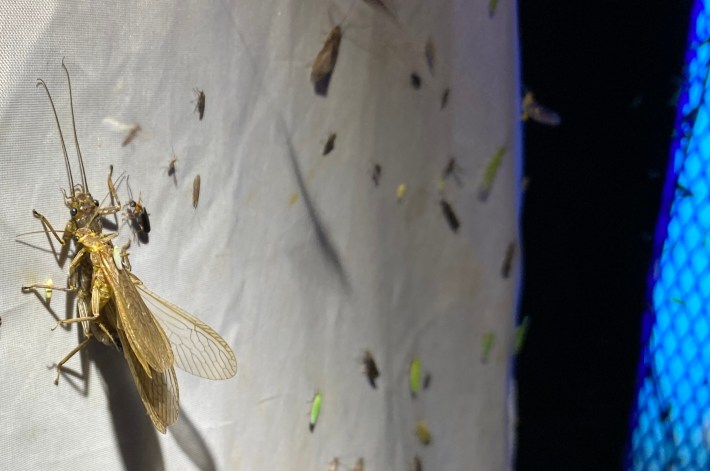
x: 489, y: 175
x: 415, y: 376
x: 488, y: 340
x: 315, y: 410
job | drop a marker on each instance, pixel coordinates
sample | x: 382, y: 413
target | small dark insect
x: 171, y: 169
x: 452, y: 169
x: 445, y: 97
x: 324, y: 63
x: 200, y: 105
x: 140, y: 213
x: 137, y: 216
x: 683, y: 191
x: 450, y: 215
x: 508, y: 260
x: 417, y: 464
x: 665, y: 413
x: 371, y: 370
x: 416, y: 80
x: 429, y: 55
x: 376, y: 172
x: 330, y: 144
x: 427, y: 381
x: 131, y: 135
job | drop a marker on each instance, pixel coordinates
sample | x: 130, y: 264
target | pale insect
x: 85, y: 211
x: 132, y: 133
x: 416, y: 464
x: 48, y: 291
x: 538, y: 113
x: 423, y: 433
x: 334, y: 464
x: 152, y: 339
x: 111, y: 308
x: 196, y: 191
x: 359, y: 465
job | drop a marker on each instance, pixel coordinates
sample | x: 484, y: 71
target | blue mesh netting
x: 671, y: 415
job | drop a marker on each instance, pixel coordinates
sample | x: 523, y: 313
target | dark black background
x: 610, y: 68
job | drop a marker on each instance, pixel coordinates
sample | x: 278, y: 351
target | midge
x: 200, y: 105
x: 112, y: 306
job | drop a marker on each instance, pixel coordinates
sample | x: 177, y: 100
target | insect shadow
x: 137, y: 438
x: 191, y: 443
x: 329, y: 250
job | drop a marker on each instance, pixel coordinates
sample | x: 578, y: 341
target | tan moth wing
x: 326, y: 58
x: 198, y: 349
x: 145, y: 336
x: 159, y: 391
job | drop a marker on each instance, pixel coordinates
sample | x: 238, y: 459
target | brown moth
x: 196, y: 191
x: 324, y: 63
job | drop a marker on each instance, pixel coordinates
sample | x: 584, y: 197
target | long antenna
x: 61, y: 136
x: 76, y: 139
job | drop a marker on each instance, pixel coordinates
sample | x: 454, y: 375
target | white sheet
x: 297, y: 306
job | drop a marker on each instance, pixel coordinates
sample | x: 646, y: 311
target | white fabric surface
x: 249, y: 263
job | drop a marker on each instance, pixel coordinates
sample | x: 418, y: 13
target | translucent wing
x: 159, y: 392
x: 198, y: 349
x: 144, y: 334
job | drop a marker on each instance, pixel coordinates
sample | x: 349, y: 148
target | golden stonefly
x: 114, y: 306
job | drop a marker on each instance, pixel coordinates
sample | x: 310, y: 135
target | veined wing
x: 198, y: 349
x: 159, y: 391
x: 144, y: 334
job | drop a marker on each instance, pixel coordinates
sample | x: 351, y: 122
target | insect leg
x: 73, y: 321
x: 112, y: 189
x: 68, y: 357
x: 48, y: 226
x: 46, y: 286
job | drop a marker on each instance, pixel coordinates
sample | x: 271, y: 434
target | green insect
x: 488, y: 340
x: 489, y: 175
x: 415, y: 376
x: 315, y: 410
x: 492, y: 6
x: 423, y: 433
x: 520, y: 332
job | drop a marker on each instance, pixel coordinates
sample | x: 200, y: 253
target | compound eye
x: 73, y: 211
x: 96, y: 202
x: 132, y: 204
